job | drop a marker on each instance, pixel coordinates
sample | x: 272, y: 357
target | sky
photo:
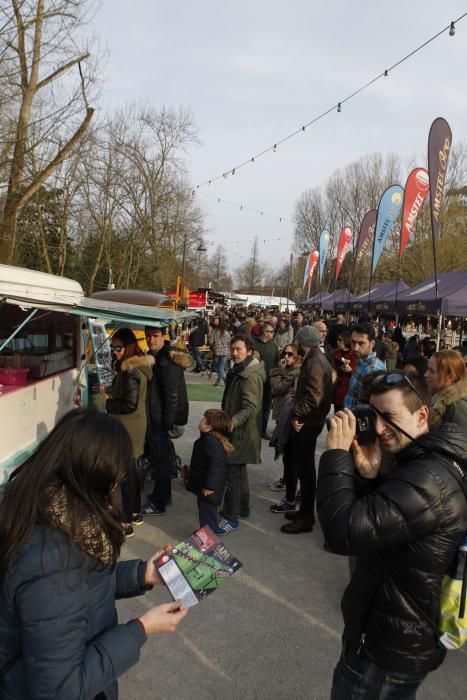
x: 253, y: 71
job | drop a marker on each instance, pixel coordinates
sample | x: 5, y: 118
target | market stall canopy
x: 337, y: 296
x: 31, y: 289
x: 135, y: 296
x: 315, y: 299
x: 451, y: 301
x: 377, y: 296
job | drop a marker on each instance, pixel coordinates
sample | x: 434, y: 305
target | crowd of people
x: 386, y: 494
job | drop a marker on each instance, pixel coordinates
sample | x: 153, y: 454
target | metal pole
x: 182, y: 290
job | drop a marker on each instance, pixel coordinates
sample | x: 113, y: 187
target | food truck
x: 54, y: 352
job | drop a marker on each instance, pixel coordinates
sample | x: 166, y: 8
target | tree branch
x: 59, y: 71
x: 59, y: 158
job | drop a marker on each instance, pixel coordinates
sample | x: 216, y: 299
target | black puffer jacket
x: 406, y: 530
x: 168, y: 399
x: 208, y: 468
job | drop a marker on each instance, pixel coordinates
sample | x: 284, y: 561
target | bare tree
x: 39, y: 52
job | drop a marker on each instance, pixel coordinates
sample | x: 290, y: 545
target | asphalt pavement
x: 273, y: 630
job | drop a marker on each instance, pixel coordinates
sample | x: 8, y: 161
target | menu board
x: 102, y: 352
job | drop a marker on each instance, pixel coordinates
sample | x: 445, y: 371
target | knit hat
x: 308, y: 336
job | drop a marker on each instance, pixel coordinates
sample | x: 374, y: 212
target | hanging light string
x: 242, y: 207
x: 450, y: 28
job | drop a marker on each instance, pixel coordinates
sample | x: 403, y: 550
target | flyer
x: 197, y: 567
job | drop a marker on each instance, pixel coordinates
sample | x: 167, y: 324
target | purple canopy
x: 338, y: 296
x: 379, y: 292
x: 452, y: 296
x: 315, y: 299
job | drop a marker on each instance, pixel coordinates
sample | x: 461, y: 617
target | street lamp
x: 200, y: 249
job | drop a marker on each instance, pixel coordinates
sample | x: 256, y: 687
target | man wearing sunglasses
x: 404, y: 526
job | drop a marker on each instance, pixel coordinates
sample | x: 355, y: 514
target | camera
x: 366, y: 424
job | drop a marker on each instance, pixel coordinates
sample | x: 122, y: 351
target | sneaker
x: 226, y: 526
x: 278, y: 485
x: 151, y: 509
x: 137, y: 519
x: 284, y: 506
x: 128, y: 531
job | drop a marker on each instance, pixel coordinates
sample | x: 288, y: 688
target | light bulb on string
x: 339, y: 107
x: 452, y: 29
x: 274, y: 148
x: 386, y: 73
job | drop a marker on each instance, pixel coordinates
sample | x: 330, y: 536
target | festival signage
x: 389, y: 208
x: 345, y: 244
x: 439, y: 147
x: 323, y: 251
x: 367, y: 229
x: 416, y: 191
x: 307, y: 268
x: 314, y: 257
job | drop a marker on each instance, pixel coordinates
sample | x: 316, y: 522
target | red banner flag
x: 439, y: 146
x: 314, y: 257
x: 416, y: 191
x: 345, y: 244
x: 367, y: 229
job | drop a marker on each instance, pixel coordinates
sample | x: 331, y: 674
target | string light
x: 242, y: 208
x: 384, y: 74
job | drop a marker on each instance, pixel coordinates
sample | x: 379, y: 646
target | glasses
x: 287, y: 354
x: 396, y: 379
x: 116, y: 348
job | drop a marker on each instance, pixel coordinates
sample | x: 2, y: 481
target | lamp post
x: 200, y: 249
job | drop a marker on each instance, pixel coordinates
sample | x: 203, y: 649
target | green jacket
x: 242, y: 401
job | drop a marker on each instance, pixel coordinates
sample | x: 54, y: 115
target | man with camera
x: 363, y: 347
x: 312, y: 401
x: 404, y: 523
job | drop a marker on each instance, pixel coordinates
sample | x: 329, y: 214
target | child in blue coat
x: 208, y: 466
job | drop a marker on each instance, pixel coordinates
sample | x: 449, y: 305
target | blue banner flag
x: 307, y: 268
x: 323, y: 251
x: 389, y: 207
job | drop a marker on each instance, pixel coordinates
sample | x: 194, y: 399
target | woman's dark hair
x: 129, y: 341
x: 346, y: 338
x: 87, y: 454
x: 286, y: 325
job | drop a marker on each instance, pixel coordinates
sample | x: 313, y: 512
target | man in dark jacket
x: 312, y: 402
x: 404, y: 527
x: 196, y: 340
x: 268, y: 352
x: 167, y: 408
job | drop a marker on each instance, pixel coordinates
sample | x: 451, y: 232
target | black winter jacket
x: 406, y: 529
x: 208, y: 468
x: 57, y: 613
x: 168, y: 398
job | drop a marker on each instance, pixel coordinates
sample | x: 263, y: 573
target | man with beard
x: 404, y: 525
x: 363, y: 347
x: 312, y: 401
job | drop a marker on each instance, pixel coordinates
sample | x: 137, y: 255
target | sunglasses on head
x: 116, y: 348
x: 395, y: 379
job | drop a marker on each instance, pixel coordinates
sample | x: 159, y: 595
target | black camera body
x: 366, y: 424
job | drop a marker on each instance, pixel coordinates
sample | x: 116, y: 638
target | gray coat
x: 242, y: 401
x: 58, y: 616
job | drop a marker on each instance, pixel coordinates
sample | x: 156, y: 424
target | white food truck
x: 54, y: 347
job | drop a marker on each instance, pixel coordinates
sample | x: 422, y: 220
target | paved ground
x: 273, y: 631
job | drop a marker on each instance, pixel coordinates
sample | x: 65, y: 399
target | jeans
x: 303, y: 446
x: 266, y: 410
x: 237, y: 492
x: 197, y: 359
x: 219, y: 366
x: 161, y: 464
x: 358, y: 678
x: 207, y: 514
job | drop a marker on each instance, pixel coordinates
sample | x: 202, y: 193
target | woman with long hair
x: 220, y: 345
x: 284, y: 334
x: 127, y: 402
x: 60, y: 538
x: 447, y: 381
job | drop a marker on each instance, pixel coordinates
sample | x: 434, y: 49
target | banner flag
x: 345, y: 244
x: 415, y: 193
x: 389, y: 208
x: 439, y: 147
x: 314, y: 256
x: 367, y: 229
x: 307, y: 267
x: 323, y: 251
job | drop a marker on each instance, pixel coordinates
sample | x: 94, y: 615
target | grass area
x: 204, y: 392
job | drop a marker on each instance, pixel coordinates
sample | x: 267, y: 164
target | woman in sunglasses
x: 344, y: 363
x: 447, y: 381
x: 283, y: 380
x: 127, y: 402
